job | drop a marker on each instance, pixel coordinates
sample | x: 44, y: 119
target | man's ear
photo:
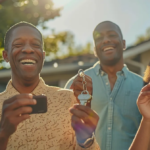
x: 5, y: 56
x: 124, y: 45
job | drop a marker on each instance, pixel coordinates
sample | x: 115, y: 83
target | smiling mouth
x: 28, y: 62
x: 108, y: 49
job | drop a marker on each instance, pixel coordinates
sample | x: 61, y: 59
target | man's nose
x: 106, y: 39
x: 28, y: 49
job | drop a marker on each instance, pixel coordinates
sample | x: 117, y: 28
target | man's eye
x: 37, y: 45
x: 112, y: 35
x: 18, y: 45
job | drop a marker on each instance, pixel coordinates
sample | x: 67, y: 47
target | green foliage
x: 36, y: 12
x: 143, y: 38
x: 62, y: 45
x: 52, y: 43
x: 1, y: 1
x: 1, y: 50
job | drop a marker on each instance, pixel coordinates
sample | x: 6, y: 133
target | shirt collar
x: 98, y: 70
x: 96, y: 67
x: 40, y: 88
x: 125, y: 71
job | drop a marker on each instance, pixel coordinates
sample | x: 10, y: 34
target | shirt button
x: 111, y: 98
x: 106, y: 83
x: 109, y: 128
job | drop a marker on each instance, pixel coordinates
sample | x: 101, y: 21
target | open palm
x: 143, y: 101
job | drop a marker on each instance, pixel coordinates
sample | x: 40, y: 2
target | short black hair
x: 109, y: 22
x: 9, y: 32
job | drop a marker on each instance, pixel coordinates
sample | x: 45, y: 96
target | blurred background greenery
x: 38, y: 12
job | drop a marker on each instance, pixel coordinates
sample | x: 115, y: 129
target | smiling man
x: 114, y: 88
x: 48, y: 131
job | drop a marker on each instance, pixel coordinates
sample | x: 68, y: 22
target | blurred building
x: 57, y: 72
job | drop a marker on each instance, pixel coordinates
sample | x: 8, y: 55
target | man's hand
x: 84, y: 121
x: 143, y: 102
x: 15, y: 110
x: 77, y: 85
x: 142, y: 137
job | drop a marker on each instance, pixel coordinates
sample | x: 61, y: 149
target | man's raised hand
x: 84, y: 122
x: 77, y: 85
x: 15, y: 110
x: 143, y: 102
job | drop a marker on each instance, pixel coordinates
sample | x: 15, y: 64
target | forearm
x: 142, y: 138
x: 3, y: 141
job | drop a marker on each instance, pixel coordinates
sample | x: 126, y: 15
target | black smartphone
x: 41, y: 104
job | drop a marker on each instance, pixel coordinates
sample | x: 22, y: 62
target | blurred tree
x: 55, y: 41
x: 143, y: 38
x: 61, y: 45
x: 57, y: 45
x: 1, y: 49
x: 36, y: 12
x: 1, y: 1
x: 1, y: 67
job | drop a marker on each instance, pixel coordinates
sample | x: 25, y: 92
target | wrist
x: 82, y: 139
x: 146, y: 120
x: 86, y: 142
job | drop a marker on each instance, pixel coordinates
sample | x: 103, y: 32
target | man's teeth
x: 28, y: 62
x: 108, y: 48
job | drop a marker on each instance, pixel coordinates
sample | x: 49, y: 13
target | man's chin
x: 30, y: 77
x: 111, y: 62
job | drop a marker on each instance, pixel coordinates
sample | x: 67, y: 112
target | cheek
x: 117, y: 41
x: 13, y: 54
x: 98, y: 45
x: 120, y: 45
x: 40, y: 54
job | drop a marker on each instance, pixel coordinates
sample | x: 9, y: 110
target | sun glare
x: 61, y: 3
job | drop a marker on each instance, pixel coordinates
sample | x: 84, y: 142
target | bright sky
x: 81, y: 16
